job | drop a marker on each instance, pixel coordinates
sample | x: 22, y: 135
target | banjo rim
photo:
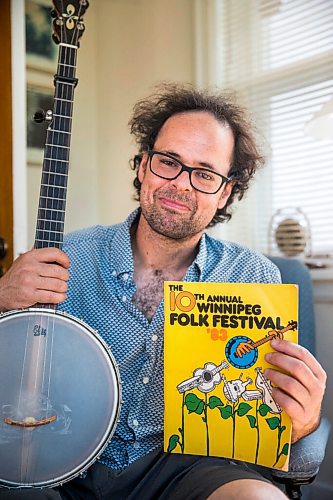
x: 105, y: 441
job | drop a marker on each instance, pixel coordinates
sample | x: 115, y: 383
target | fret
x: 62, y: 44
x: 58, y: 131
x: 55, y: 159
x: 51, y: 221
x: 67, y: 126
x: 62, y: 99
x: 54, y: 173
x: 58, y: 140
x: 47, y: 242
x: 56, y: 227
x: 41, y: 243
x: 53, y: 193
x: 61, y: 116
x: 63, y: 108
x: 53, y: 186
x: 56, y: 145
x: 70, y: 65
x: 64, y: 92
x: 66, y: 83
x: 50, y: 186
x: 52, y: 209
x: 53, y: 180
x: 58, y: 206
x: 51, y: 214
x: 57, y: 236
x: 48, y: 231
x: 48, y: 220
x: 51, y: 198
x: 58, y: 155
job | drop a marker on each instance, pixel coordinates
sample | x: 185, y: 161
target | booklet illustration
x: 218, y: 401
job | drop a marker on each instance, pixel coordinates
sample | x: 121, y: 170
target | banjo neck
x: 53, y: 190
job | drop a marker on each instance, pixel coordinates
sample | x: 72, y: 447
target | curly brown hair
x: 151, y: 113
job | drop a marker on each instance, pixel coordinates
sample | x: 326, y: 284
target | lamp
x: 321, y: 124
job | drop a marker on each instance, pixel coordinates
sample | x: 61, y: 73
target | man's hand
x: 300, y: 390
x: 37, y: 276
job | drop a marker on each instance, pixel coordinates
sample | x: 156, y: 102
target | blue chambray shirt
x: 100, y: 292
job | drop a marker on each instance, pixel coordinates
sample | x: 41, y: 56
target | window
x: 278, y: 56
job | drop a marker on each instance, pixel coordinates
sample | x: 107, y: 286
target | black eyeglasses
x: 168, y: 167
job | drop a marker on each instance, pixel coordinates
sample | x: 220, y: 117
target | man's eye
x: 204, y: 176
x: 169, y: 163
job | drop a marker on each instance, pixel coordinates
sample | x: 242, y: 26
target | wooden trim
x: 6, y: 140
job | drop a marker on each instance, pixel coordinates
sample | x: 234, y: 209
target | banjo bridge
x: 30, y: 421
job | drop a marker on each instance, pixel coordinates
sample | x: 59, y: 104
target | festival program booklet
x: 218, y: 401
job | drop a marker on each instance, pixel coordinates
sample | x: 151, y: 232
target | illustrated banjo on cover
x: 60, y: 387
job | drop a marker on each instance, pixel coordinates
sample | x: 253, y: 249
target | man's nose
x: 182, y: 182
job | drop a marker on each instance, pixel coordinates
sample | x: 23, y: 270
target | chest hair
x: 149, y: 291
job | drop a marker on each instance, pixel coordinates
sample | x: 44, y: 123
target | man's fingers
x: 54, y: 271
x: 299, y: 352
x: 290, y: 387
x: 49, y: 255
x: 47, y: 297
x: 52, y: 285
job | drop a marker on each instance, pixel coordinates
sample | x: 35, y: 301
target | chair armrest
x: 307, y: 454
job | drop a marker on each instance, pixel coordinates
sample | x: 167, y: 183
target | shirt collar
x: 196, y: 269
x: 121, y: 249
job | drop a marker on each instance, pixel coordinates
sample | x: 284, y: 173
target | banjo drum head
x: 59, y: 397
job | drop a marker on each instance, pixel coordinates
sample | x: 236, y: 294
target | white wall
x: 127, y: 47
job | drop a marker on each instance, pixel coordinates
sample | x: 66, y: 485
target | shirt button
x: 136, y: 445
x: 145, y: 380
x: 114, y: 273
x: 154, y: 338
x: 135, y: 422
x: 124, y: 298
x: 125, y: 276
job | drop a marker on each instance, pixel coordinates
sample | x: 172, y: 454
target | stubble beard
x: 170, y: 223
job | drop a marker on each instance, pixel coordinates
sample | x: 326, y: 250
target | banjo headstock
x: 68, y: 26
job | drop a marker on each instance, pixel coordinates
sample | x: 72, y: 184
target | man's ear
x: 143, y: 167
x: 226, y: 192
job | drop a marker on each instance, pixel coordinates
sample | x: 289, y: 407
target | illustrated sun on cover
x: 218, y: 401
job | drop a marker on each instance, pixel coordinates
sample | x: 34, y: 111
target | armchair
x: 307, y: 454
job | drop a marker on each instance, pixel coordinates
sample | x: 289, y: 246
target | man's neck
x: 154, y: 251
x: 157, y: 259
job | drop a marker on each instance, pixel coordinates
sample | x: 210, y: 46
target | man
x: 196, y: 153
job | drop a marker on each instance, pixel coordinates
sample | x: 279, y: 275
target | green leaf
x: 252, y: 420
x: 214, y: 401
x: 192, y: 402
x: 173, y: 441
x: 200, y: 408
x: 243, y: 408
x: 264, y: 409
x: 283, y: 428
x: 273, y: 422
x: 226, y: 412
x: 285, y: 449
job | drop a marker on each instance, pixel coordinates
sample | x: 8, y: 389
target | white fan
x: 289, y: 233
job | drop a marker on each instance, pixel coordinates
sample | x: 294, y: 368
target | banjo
x: 60, y: 390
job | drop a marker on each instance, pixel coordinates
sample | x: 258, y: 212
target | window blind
x: 278, y: 56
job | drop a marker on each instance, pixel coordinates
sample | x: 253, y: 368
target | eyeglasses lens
x: 201, y: 179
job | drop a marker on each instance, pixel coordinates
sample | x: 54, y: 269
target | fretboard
x: 52, y: 200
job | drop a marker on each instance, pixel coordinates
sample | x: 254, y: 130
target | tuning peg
x: 41, y: 116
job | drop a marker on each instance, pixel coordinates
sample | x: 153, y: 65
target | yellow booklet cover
x: 218, y: 401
